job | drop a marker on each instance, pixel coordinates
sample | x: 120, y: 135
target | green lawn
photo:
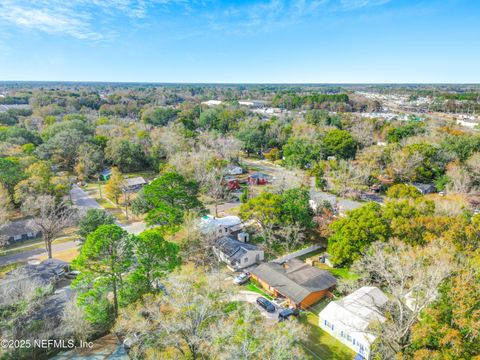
x: 343, y: 273
x: 319, y: 344
x: 252, y: 287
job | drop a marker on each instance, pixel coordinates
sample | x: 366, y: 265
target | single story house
x: 319, y: 198
x: 134, y: 184
x: 233, y: 170
x: 236, y: 252
x: 300, y: 284
x: 223, y: 226
x: 258, y: 178
x: 424, y: 188
x: 348, y: 319
x: 212, y: 102
x: 20, y: 230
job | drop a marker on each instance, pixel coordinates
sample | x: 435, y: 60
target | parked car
x: 286, y: 314
x: 267, y: 305
x: 241, y: 279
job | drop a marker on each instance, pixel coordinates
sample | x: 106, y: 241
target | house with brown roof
x: 300, y: 284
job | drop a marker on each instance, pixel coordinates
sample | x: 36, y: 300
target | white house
x: 233, y: 170
x: 319, y: 198
x: 223, y: 226
x: 211, y: 102
x: 348, y: 319
x: 236, y: 252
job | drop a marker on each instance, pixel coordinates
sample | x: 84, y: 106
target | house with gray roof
x: 302, y: 285
x: 237, y: 253
x: 20, y: 230
x: 134, y: 184
x: 424, y: 188
x: 349, y: 319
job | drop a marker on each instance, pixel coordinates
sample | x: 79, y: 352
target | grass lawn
x: 7, y: 268
x: 338, y: 272
x: 65, y: 255
x: 32, y: 244
x: 343, y: 273
x: 319, y: 344
x: 252, y: 287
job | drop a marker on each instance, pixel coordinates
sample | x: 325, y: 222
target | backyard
x: 319, y: 344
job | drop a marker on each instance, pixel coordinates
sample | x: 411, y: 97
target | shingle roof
x: 297, y: 281
x: 135, y: 181
x: 19, y: 227
x: 233, y: 248
x: 259, y: 175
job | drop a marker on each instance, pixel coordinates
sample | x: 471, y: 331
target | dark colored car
x: 285, y: 314
x: 267, y: 305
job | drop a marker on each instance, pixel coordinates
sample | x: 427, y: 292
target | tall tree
x: 168, y: 197
x: 108, y: 254
x: 114, y: 185
x: 155, y: 257
x: 355, y: 232
x: 92, y: 220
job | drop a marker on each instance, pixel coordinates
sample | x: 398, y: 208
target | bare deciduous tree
x: 410, y: 276
x: 74, y: 321
x: 50, y: 217
x: 190, y: 321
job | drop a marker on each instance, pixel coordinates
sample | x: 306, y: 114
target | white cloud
x: 95, y: 19
x: 76, y: 18
x: 357, y: 4
x: 262, y: 16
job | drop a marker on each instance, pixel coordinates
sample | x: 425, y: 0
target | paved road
x: 34, y: 253
x: 84, y: 201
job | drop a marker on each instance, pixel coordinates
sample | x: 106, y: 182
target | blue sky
x: 273, y: 41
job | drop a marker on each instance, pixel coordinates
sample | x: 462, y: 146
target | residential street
x: 84, y: 201
x: 26, y: 255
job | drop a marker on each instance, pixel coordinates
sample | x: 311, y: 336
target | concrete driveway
x: 251, y: 297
